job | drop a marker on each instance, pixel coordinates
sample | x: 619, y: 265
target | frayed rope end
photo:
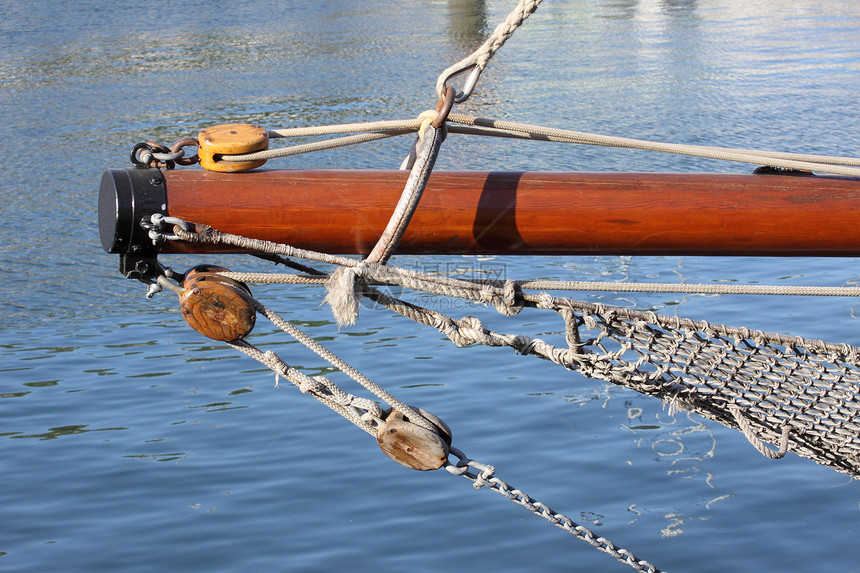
x: 342, y: 297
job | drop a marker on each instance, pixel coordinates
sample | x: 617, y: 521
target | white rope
x: 425, y: 158
x: 393, y: 125
x: 471, y: 125
x: 593, y: 286
x: 315, y: 146
x: 784, y: 290
x: 341, y: 365
x: 319, y: 387
x: 821, y: 163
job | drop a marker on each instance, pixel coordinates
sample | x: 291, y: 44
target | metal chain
x: 484, y: 476
x: 152, y: 154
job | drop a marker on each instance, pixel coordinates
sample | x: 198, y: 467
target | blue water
x: 130, y: 443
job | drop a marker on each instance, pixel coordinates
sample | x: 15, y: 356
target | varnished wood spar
x: 529, y: 213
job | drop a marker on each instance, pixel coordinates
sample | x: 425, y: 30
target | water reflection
x: 467, y: 23
x: 165, y: 457
x: 637, y: 9
x: 58, y: 431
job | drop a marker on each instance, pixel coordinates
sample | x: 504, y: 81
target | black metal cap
x: 125, y: 197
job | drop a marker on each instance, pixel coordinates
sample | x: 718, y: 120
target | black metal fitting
x: 127, y: 197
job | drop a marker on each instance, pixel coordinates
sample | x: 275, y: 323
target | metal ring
x: 138, y: 161
x: 172, y: 156
x: 158, y: 219
x: 444, y: 108
x: 157, y: 222
x: 187, y: 142
x: 474, y: 72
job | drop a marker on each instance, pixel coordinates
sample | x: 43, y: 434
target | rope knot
x: 513, y: 298
x: 545, y: 301
x: 509, y: 303
x: 426, y: 118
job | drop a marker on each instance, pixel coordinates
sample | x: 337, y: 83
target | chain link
x: 484, y: 476
x: 152, y: 154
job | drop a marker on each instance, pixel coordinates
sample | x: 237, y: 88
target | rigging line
x: 427, y: 152
x: 486, y: 477
x: 794, y: 161
x: 341, y: 365
x: 472, y: 125
x: 315, y: 146
x: 384, y: 125
x: 740, y: 289
x: 489, y: 126
x: 691, y: 365
x: 413, y: 279
x: 319, y: 387
x: 587, y: 286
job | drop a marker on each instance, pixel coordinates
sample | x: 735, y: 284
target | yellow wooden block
x: 231, y: 139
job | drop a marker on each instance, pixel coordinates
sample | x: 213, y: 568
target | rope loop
x: 475, y: 63
x: 757, y: 442
x: 426, y: 118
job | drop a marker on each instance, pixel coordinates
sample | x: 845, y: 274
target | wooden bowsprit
x: 492, y: 213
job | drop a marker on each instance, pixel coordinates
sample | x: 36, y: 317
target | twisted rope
x: 472, y: 125
x: 592, y: 286
x: 822, y: 163
x: 479, y: 58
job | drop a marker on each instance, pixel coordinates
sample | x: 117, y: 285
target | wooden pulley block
x: 412, y: 445
x: 216, y: 306
x: 231, y: 139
